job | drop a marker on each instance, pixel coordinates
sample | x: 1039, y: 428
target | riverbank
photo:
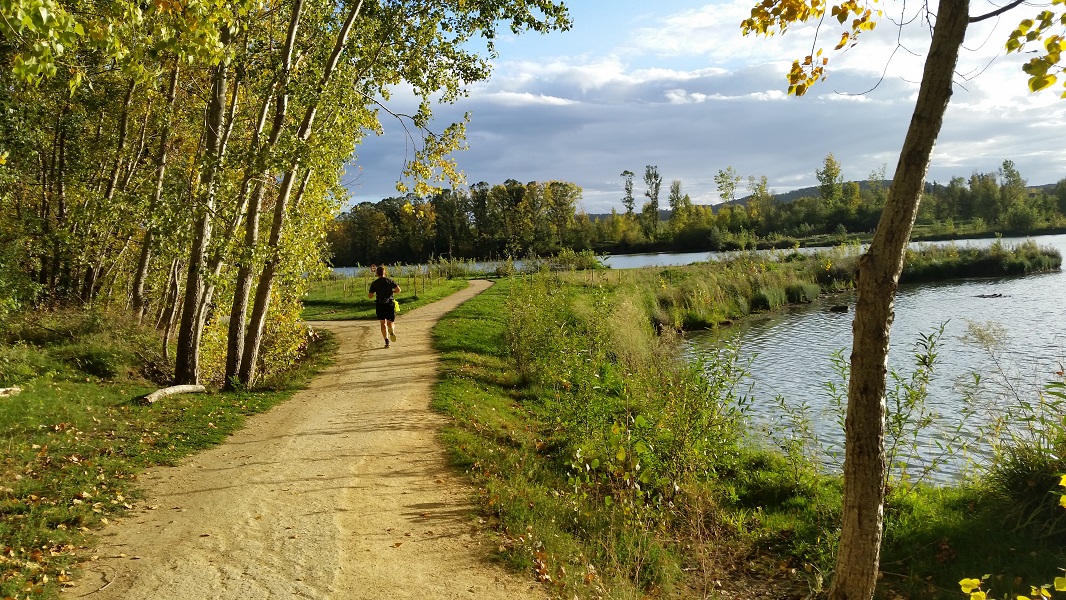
x: 596, y: 446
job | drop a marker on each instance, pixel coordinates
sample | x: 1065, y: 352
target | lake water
x: 791, y: 351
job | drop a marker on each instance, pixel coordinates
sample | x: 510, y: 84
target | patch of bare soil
x: 341, y: 492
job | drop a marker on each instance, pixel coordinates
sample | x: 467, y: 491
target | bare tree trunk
x: 187, y: 359
x: 160, y: 173
x: 879, y: 270
x: 243, y: 287
x: 212, y: 264
x: 257, y: 323
x: 167, y: 305
x: 92, y: 270
x: 61, y: 217
x: 135, y: 158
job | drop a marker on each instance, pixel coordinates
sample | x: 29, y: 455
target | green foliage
x: 802, y: 293
x: 592, y: 443
x: 769, y: 298
x: 73, y: 345
x: 487, y: 222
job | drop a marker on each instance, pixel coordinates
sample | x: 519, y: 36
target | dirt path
x: 342, y: 492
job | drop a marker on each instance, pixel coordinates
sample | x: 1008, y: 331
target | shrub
x: 98, y: 358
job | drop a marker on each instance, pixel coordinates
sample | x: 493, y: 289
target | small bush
x: 19, y: 363
x: 1023, y: 484
x: 74, y: 344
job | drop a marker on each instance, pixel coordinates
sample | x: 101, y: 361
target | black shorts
x: 386, y: 311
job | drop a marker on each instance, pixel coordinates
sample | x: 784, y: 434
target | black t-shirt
x: 383, y: 288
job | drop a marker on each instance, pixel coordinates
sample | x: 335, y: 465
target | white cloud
x: 682, y: 97
x: 687, y: 93
x: 526, y: 98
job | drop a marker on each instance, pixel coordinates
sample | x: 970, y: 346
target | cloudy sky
x: 674, y: 84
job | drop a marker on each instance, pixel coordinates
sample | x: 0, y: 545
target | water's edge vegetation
x: 613, y: 468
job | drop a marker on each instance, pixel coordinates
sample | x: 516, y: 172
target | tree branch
x: 997, y: 12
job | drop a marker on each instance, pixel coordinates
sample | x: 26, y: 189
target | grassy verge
x: 343, y: 298
x: 73, y: 440
x: 612, y: 469
x: 609, y: 468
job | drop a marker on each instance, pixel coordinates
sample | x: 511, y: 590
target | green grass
x: 938, y: 536
x: 531, y: 377
x: 516, y: 430
x: 344, y: 298
x: 73, y: 441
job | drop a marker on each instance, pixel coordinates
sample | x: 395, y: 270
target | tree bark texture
x: 879, y: 270
x: 187, y: 357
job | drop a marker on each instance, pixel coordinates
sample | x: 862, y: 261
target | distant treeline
x: 515, y: 219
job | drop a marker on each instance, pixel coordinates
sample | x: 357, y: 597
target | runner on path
x: 385, y: 304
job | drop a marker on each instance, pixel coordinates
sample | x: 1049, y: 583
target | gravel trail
x: 342, y: 492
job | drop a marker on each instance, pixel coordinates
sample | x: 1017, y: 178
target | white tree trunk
x: 257, y: 323
x: 187, y: 360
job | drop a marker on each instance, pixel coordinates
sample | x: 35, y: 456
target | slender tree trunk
x: 879, y: 269
x: 135, y: 157
x: 46, y: 176
x: 167, y: 305
x: 61, y: 217
x: 257, y: 323
x: 243, y: 287
x: 161, y: 168
x: 187, y: 358
x: 175, y: 306
x: 92, y: 270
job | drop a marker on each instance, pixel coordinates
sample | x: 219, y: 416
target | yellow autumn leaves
x: 775, y: 16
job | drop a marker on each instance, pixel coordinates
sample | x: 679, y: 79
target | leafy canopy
x: 1042, y: 34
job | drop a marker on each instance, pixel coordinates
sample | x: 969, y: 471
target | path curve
x: 342, y: 492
